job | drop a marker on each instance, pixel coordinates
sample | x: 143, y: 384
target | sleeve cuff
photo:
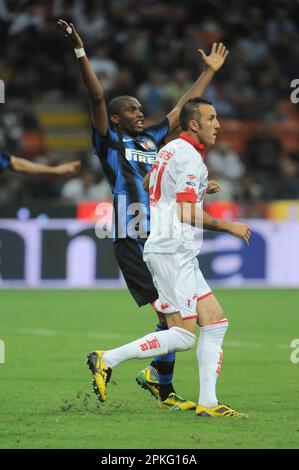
x: 186, y: 197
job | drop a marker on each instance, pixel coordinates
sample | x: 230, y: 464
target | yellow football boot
x: 217, y: 411
x: 101, y: 374
x: 177, y: 403
x: 148, y: 380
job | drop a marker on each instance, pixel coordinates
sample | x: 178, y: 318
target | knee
x: 162, y: 321
x: 185, y: 339
x: 210, y: 315
x: 216, y: 312
x: 163, y: 324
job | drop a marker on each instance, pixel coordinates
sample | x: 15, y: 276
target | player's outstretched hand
x: 67, y: 168
x: 70, y: 32
x: 217, y: 57
x: 213, y: 187
x: 240, y: 230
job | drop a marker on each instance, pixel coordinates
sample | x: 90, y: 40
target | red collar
x: 198, y: 146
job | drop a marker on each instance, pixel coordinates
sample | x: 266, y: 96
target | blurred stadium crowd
x: 148, y: 49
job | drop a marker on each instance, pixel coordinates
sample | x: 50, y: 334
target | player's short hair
x: 116, y: 103
x: 191, y: 110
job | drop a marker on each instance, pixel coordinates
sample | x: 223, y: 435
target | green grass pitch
x: 46, y: 396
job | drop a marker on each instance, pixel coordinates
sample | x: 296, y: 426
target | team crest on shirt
x: 148, y: 144
x: 189, y: 302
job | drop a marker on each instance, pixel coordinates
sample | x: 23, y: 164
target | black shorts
x: 129, y: 255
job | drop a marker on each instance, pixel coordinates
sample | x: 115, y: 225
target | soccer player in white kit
x: 177, y: 186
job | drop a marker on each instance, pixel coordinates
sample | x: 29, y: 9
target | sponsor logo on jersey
x: 190, y: 183
x: 150, y: 344
x: 219, y: 363
x: 164, y: 306
x: 133, y: 155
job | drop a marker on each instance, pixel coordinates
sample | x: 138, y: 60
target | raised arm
x: 22, y: 165
x: 191, y: 214
x: 94, y: 90
x: 213, y: 62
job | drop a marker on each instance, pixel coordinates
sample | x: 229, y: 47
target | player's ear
x: 194, y: 126
x: 115, y: 119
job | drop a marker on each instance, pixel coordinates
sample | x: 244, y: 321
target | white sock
x: 151, y: 345
x: 209, y: 356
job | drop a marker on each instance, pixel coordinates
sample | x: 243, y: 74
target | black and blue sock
x: 164, y: 365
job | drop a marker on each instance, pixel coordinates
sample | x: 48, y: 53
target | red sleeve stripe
x: 186, y: 197
x: 217, y: 322
x: 205, y: 295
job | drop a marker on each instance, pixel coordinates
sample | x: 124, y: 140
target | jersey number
x: 156, y: 175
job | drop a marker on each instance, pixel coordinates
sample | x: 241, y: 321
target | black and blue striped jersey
x: 125, y: 160
x: 4, y: 161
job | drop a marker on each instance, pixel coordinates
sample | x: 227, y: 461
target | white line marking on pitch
x: 62, y: 333
x: 95, y: 334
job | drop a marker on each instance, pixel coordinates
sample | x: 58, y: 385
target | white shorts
x: 178, y: 280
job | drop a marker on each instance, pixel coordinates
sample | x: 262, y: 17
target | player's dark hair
x: 116, y: 103
x: 191, y: 110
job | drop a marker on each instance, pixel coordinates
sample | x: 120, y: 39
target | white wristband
x: 80, y: 52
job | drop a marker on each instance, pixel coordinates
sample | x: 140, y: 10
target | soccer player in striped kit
x: 127, y: 151
x: 177, y: 187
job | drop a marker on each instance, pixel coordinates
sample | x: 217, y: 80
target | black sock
x: 165, y: 390
x: 165, y: 372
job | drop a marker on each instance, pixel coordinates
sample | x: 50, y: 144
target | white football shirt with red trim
x: 178, y: 174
